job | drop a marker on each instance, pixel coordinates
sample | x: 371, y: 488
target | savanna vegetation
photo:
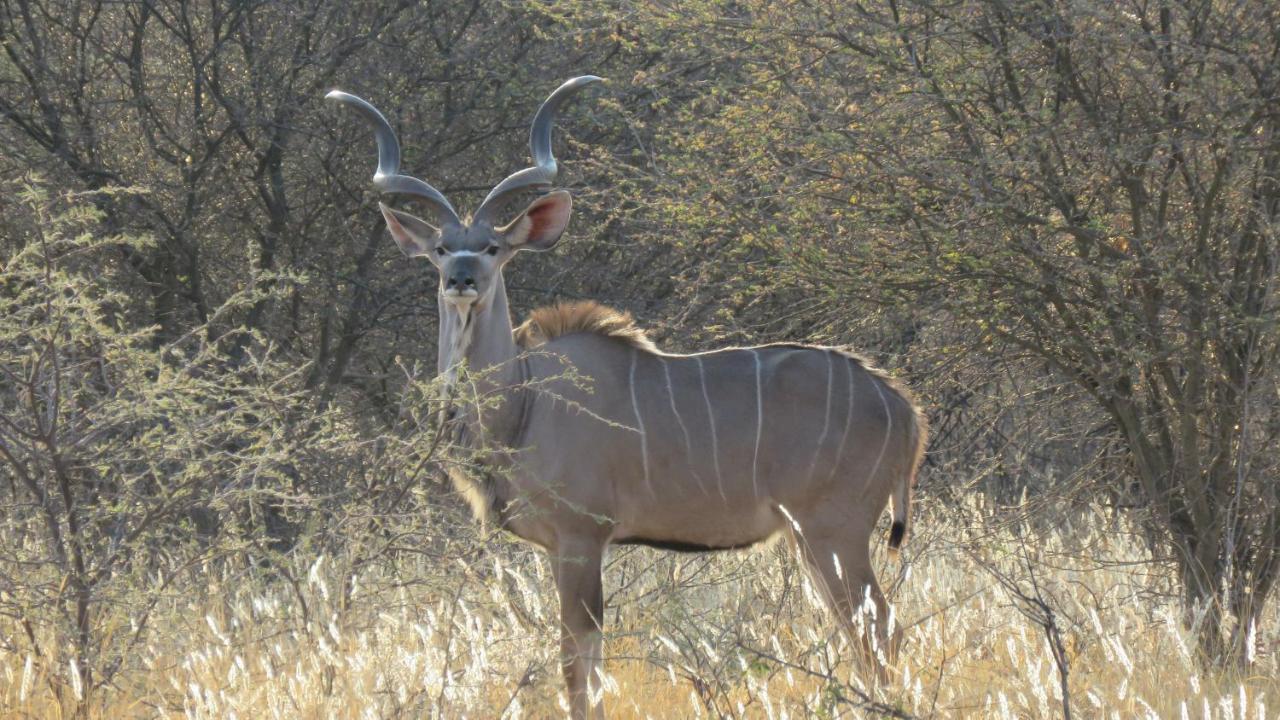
x: 221, y: 466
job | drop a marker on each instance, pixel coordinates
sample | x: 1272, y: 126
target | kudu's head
x: 469, y: 254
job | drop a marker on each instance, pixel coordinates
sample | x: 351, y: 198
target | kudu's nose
x: 461, y: 281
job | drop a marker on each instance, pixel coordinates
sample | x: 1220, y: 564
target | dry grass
x: 465, y: 631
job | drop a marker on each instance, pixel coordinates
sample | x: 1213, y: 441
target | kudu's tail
x: 919, y: 437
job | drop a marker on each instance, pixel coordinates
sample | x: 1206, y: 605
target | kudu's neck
x: 479, y: 336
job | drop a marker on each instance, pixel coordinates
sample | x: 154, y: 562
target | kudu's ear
x: 415, y: 236
x: 541, y: 224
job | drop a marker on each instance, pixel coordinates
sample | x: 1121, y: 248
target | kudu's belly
x: 696, y: 522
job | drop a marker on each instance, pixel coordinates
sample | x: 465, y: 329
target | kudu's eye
x: 492, y: 250
x: 441, y: 251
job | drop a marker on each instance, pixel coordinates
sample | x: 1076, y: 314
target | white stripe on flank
x: 688, y: 446
x: 644, y: 437
x: 848, y: 421
x: 826, y: 423
x: 755, y: 459
x: 888, y: 416
x: 711, y: 419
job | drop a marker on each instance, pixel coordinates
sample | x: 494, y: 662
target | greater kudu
x: 714, y: 450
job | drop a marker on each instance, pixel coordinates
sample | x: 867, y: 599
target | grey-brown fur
x: 713, y: 450
x: 667, y: 489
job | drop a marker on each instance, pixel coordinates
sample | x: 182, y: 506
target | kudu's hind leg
x: 577, y: 571
x: 839, y: 563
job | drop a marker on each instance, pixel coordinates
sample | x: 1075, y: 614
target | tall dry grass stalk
x: 466, y: 628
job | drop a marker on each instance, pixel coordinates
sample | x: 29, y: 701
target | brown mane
x: 565, y: 318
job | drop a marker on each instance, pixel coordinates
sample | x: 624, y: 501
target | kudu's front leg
x: 577, y: 571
